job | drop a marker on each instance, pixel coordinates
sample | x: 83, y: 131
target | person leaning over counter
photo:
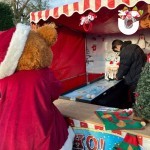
x: 132, y: 60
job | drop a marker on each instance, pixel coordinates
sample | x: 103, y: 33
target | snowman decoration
x: 112, y: 66
x: 142, y: 42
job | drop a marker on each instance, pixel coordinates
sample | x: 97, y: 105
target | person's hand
x: 116, y: 78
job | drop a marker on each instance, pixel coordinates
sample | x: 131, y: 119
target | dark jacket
x: 132, y: 59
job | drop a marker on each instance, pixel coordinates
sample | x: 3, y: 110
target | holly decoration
x: 6, y: 16
x: 142, y: 94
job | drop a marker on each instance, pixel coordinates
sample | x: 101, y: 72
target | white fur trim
x: 69, y: 142
x: 14, y: 52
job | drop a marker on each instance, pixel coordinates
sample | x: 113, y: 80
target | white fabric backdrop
x: 99, y: 52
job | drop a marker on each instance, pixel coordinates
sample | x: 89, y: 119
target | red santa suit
x: 28, y: 118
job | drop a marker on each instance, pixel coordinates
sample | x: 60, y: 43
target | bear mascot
x: 28, y: 118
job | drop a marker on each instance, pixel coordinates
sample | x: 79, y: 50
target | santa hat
x: 12, y: 44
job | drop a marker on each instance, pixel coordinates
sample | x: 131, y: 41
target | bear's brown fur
x: 37, y: 52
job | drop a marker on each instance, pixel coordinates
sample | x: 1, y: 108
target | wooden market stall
x: 78, y: 44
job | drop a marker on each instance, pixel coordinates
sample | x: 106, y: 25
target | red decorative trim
x: 76, y: 6
x: 83, y: 125
x: 70, y: 122
x: 40, y: 14
x: 126, y: 2
x: 117, y: 132
x: 65, y: 9
x: 99, y: 127
x: 32, y: 16
x: 47, y: 12
x: 111, y: 3
x: 56, y: 12
x: 86, y: 4
x: 97, y: 5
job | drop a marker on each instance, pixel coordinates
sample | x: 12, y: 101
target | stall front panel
x: 91, y: 133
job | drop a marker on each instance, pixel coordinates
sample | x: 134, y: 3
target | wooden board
x: 85, y: 112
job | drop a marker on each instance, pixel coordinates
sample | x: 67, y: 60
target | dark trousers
x: 131, y: 95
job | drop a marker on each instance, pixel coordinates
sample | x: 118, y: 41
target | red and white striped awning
x: 80, y: 7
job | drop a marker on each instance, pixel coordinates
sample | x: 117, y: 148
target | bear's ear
x: 49, y: 33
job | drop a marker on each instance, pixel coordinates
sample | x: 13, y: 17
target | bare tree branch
x: 22, y: 8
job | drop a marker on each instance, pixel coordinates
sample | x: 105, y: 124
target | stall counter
x: 83, y: 116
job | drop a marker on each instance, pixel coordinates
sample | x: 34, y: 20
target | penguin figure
x: 141, y: 41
